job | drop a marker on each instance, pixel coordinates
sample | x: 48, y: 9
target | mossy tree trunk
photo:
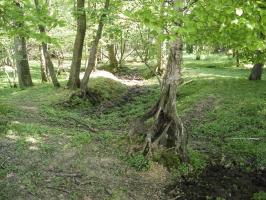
x: 74, y: 80
x: 168, y: 129
x: 22, y: 63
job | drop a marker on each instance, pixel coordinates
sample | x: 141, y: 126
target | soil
x: 220, y: 182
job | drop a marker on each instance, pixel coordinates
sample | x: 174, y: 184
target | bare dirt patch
x: 220, y: 182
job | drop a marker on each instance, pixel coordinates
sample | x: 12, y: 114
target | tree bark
x: 159, y: 63
x: 159, y: 57
x: 112, y: 56
x: 198, y: 53
x: 93, y: 51
x: 74, y: 80
x: 47, y: 56
x: 256, y: 72
x: 21, y: 56
x: 43, y: 66
x: 168, y: 129
x: 49, y: 65
x: 236, y: 56
x: 197, y: 57
x: 22, y: 63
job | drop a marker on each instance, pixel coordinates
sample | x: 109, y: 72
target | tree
x: 74, y: 80
x: 112, y: 56
x: 46, y: 55
x: 22, y: 64
x: 256, y: 72
x: 21, y: 56
x: 236, y: 25
x: 93, y: 51
x: 167, y: 128
x: 44, y: 74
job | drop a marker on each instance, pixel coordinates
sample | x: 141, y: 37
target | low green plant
x: 138, y: 162
x: 80, y: 139
x: 259, y: 196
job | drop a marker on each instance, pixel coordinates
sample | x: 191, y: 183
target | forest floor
x: 53, y: 149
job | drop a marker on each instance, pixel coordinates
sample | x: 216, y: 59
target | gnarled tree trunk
x: 168, y: 129
x: 74, y: 80
x: 93, y: 51
x: 256, y: 72
x: 22, y: 63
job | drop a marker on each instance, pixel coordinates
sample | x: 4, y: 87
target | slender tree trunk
x: 43, y: 66
x: 168, y: 129
x: 99, y: 55
x: 197, y: 57
x: 189, y: 49
x: 22, y: 63
x: 237, y: 60
x: 236, y: 56
x: 47, y: 57
x: 198, y: 52
x: 49, y: 65
x: 93, y: 51
x: 159, y: 63
x: 159, y: 57
x: 74, y: 80
x: 256, y: 72
x: 112, y: 56
x: 122, y: 46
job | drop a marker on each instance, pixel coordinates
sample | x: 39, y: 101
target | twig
x: 3, y: 163
x: 84, y: 124
x: 242, y: 138
x: 58, y: 189
x: 186, y: 83
x: 68, y: 175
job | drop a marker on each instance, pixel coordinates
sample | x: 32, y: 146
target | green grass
x: 222, y: 109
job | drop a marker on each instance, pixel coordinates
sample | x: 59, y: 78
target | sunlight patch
x: 12, y: 135
x: 34, y: 148
x: 31, y: 140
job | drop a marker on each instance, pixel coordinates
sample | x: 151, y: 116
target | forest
x: 132, y: 99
